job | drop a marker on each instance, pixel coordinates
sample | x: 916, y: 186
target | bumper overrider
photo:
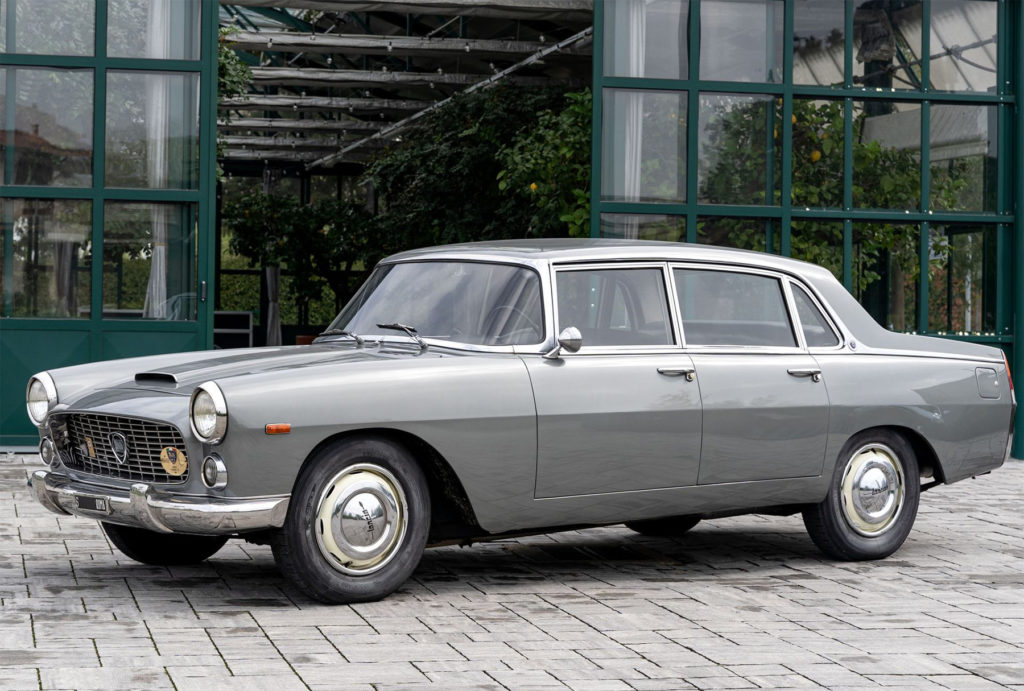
x: 142, y: 506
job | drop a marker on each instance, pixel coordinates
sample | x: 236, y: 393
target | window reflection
x: 646, y: 38
x: 149, y: 261
x: 644, y: 145
x: 886, y: 155
x: 160, y: 29
x: 51, y: 134
x: 819, y: 42
x: 52, y: 252
x: 964, y: 45
x: 48, y: 27
x: 961, y: 273
x: 739, y: 158
x: 887, y: 45
x: 741, y: 233
x: 152, y: 130
x: 817, y: 180
x: 741, y: 40
x: 886, y: 270
x: 644, y: 227
x: 963, y: 157
x: 818, y: 242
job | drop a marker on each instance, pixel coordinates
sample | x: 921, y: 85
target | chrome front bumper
x: 144, y: 507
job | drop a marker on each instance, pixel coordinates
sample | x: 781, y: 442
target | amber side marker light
x: 279, y: 428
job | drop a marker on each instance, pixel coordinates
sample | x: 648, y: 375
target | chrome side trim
x: 144, y: 507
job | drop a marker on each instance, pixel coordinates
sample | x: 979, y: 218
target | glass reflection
x: 643, y: 146
x: 817, y: 154
x: 152, y: 130
x: 886, y: 270
x: 52, y: 130
x: 159, y: 29
x: 149, y: 261
x: 739, y: 158
x: 887, y: 41
x: 51, y: 255
x: 886, y: 155
x: 646, y: 38
x: 727, y: 231
x: 644, y: 227
x: 963, y: 157
x: 964, y: 45
x: 819, y: 42
x: 49, y: 27
x: 741, y: 40
x: 961, y: 274
x: 818, y: 242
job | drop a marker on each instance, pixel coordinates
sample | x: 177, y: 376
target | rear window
x: 727, y: 308
x: 817, y: 331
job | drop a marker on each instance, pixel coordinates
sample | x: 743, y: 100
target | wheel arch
x: 927, y: 459
x: 452, y: 513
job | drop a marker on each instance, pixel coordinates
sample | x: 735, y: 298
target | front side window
x: 465, y: 302
x: 725, y: 308
x: 615, y: 307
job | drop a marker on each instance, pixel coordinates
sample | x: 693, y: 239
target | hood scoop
x: 155, y: 377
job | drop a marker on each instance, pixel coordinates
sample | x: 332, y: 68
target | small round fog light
x: 215, y: 473
x: 48, y: 451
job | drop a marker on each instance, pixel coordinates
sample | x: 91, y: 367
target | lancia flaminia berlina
x: 479, y: 390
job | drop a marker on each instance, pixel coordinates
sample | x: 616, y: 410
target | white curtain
x: 636, y: 29
x: 158, y: 111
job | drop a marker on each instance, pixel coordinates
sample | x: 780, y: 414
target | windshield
x: 466, y: 302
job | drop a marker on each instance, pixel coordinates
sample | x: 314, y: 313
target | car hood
x: 184, y: 375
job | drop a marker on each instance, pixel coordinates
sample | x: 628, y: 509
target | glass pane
x: 322, y: 187
x: 726, y: 231
x: 818, y: 42
x: 643, y: 227
x: 817, y: 332
x: 886, y: 155
x: 818, y: 242
x: 961, y: 280
x: 643, y: 146
x: 726, y: 308
x: 615, y: 307
x: 149, y: 261
x: 646, y: 38
x: 49, y: 27
x: 886, y: 267
x: 965, y: 39
x: 739, y: 159
x: 887, y: 45
x: 52, y: 128
x: 51, y: 255
x: 963, y: 157
x: 161, y: 29
x: 152, y: 130
x: 817, y: 154
x: 741, y: 40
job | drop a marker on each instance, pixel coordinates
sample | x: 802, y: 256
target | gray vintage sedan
x: 473, y: 391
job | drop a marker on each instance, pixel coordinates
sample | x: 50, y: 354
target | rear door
x: 765, y: 404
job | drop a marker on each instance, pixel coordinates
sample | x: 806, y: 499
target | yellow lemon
x: 815, y: 156
x: 533, y: 186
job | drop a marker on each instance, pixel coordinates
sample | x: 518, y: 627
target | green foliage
x: 547, y: 169
x: 439, y: 185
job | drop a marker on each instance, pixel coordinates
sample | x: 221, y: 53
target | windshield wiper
x: 341, y: 332
x: 409, y: 330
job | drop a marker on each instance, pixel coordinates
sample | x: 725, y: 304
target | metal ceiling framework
x: 334, y: 80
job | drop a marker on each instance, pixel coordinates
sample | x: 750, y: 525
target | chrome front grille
x: 91, y: 449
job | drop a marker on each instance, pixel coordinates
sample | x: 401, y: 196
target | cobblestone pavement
x: 739, y: 603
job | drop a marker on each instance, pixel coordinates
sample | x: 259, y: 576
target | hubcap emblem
x: 119, y: 445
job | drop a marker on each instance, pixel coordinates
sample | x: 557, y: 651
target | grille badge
x: 119, y: 445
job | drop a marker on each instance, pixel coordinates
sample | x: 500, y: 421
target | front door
x: 624, y: 412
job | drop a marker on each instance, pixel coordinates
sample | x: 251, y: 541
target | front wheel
x: 357, y: 523
x: 872, y: 502
x: 162, y: 549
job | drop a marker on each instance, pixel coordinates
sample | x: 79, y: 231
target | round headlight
x: 40, y: 397
x: 209, y: 413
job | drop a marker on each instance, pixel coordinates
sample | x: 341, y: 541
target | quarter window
x: 817, y: 332
x: 725, y: 308
x: 615, y: 307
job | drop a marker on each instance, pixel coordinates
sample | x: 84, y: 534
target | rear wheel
x: 162, y: 549
x: 872, y: 502
x: 664, y: 527
x: 357, y: 523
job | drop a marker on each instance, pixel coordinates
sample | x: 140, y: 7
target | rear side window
x: 726, y: 308
x: 817, y: 331
x: 615, y: 307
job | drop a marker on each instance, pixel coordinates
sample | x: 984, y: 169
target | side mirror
x: 570, y: 338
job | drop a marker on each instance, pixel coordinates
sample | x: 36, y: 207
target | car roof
x: 563, y: 250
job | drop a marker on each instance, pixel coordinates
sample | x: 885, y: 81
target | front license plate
x: 98, y: 504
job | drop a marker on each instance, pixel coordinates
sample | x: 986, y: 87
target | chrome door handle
x: 688, y: 372
x: 814, y: 374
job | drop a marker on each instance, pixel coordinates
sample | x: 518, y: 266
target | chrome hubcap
x: 872, y: 490
x: 361, y: 519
